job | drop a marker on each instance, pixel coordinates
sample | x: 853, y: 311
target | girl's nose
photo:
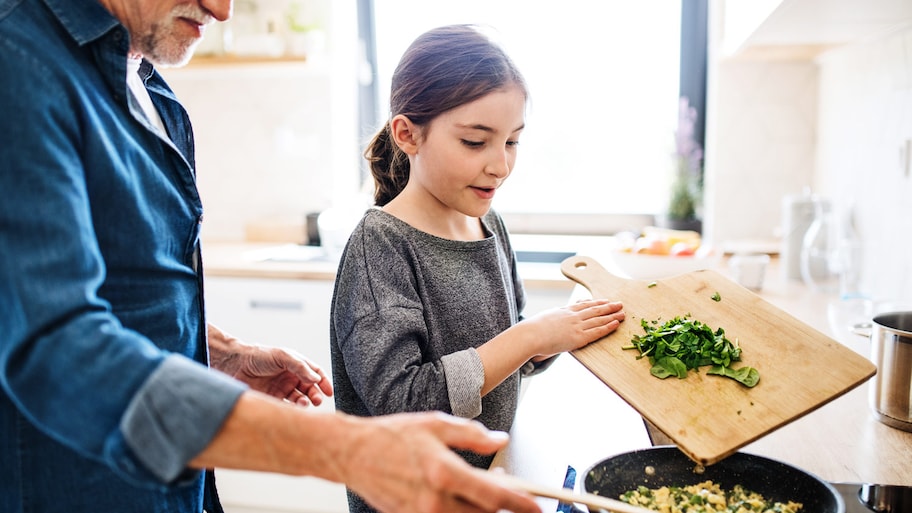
x: 500, y: 166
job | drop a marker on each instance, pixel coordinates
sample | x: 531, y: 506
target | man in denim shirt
x: 106, y: 402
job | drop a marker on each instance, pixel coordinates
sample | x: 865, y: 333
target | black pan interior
x: 774, y: 480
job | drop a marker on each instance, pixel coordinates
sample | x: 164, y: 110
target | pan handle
x: 862, y: 329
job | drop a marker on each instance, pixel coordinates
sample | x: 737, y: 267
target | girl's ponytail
x: 388, y: 164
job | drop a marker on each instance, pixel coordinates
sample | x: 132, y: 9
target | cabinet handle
x: 274, y: 304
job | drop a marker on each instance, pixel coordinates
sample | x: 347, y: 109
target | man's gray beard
x: 161, y: 52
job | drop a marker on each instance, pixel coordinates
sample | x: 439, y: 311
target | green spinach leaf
x: 681, y: 344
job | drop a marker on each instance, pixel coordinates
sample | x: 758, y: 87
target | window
x: 604, y: 83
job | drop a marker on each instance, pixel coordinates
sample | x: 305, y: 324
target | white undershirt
x: 135, y: 83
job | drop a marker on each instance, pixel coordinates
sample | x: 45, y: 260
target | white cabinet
x: 803, y: 28
x: 276, y: 312
x: 285, y: 313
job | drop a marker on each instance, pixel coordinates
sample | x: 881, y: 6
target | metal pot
x: 886, y: 498
x: 891, y: 352
x: 668, y: 466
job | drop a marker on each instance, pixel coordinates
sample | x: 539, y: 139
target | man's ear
x: 405, y: 134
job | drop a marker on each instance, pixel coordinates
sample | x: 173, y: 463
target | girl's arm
x: 547, y: 334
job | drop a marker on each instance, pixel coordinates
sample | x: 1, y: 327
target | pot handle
x: 862, y: 329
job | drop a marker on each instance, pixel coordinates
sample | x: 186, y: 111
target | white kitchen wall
x: 762, y: 132
x: 276, y: 138
x: 865, y: 118
x: 836, y: 122
x: 261, y: 152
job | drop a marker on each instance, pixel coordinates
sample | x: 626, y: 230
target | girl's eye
x: 472, y: 144
x: 513, y: 143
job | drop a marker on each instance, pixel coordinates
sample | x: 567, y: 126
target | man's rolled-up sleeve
x: 176, y: 413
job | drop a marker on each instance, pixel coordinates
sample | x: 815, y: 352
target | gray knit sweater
x: 408, y: 311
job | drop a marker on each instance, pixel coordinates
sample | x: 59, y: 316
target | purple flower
x: 688, y: 152
x: 688, y: 181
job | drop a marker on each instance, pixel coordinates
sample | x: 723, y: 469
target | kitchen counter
x: 567, y: 416
x: 298, y: 262
x: 266, y: 260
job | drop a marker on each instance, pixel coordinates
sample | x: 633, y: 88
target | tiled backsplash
x: 260, y: 153
x: 276, y: 137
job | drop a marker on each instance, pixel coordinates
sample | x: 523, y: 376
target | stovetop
x: 865, y: 498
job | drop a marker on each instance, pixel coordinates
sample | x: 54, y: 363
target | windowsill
x: 575, y: 224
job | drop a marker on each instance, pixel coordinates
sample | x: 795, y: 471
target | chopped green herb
x: 651, y: 285
x: 682, y: 344
x: 716, y: 297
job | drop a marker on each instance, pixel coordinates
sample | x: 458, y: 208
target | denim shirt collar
x: 85, y: 20
x: 90, y: 24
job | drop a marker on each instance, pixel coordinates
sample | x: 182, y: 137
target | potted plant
x: 685, y: 199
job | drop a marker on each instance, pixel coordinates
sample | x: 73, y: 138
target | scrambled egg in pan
x: 705, y: 497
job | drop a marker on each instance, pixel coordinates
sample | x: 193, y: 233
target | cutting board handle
x: 588, y: 272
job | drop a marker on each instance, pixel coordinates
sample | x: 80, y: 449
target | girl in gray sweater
x: 426, y: 312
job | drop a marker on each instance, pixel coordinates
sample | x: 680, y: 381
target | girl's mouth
x: 484, y: 192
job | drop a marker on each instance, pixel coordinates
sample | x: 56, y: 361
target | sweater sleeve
x: 464, y: 373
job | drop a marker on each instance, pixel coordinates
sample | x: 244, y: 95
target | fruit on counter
x: 662, y: 241
x: 683, y: 249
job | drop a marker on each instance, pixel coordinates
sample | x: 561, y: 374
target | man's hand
x: 278, y: 372
x: 404, y: 462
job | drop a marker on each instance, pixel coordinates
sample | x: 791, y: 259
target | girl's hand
x: 571, y: 327
x: 545, y: 335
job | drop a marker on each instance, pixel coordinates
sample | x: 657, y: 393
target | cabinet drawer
x: 281, y: 313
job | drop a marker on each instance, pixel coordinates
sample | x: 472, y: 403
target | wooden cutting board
x: 710, y: 417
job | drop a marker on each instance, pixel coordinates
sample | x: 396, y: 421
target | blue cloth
x: 104, y: 391
x: 570, y: 484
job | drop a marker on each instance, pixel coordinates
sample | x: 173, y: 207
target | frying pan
x: 772, y: 479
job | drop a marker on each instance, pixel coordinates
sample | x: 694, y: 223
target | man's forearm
x: 266, y: 434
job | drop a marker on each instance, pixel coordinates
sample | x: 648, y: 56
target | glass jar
x: 831, y: 253
x: 819, y: 250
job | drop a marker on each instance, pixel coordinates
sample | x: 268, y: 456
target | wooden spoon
x: 592, y: 501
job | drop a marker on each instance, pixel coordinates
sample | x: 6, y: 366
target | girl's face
x: 463, y: 155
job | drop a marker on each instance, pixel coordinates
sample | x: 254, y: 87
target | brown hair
x: 442, y: 69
